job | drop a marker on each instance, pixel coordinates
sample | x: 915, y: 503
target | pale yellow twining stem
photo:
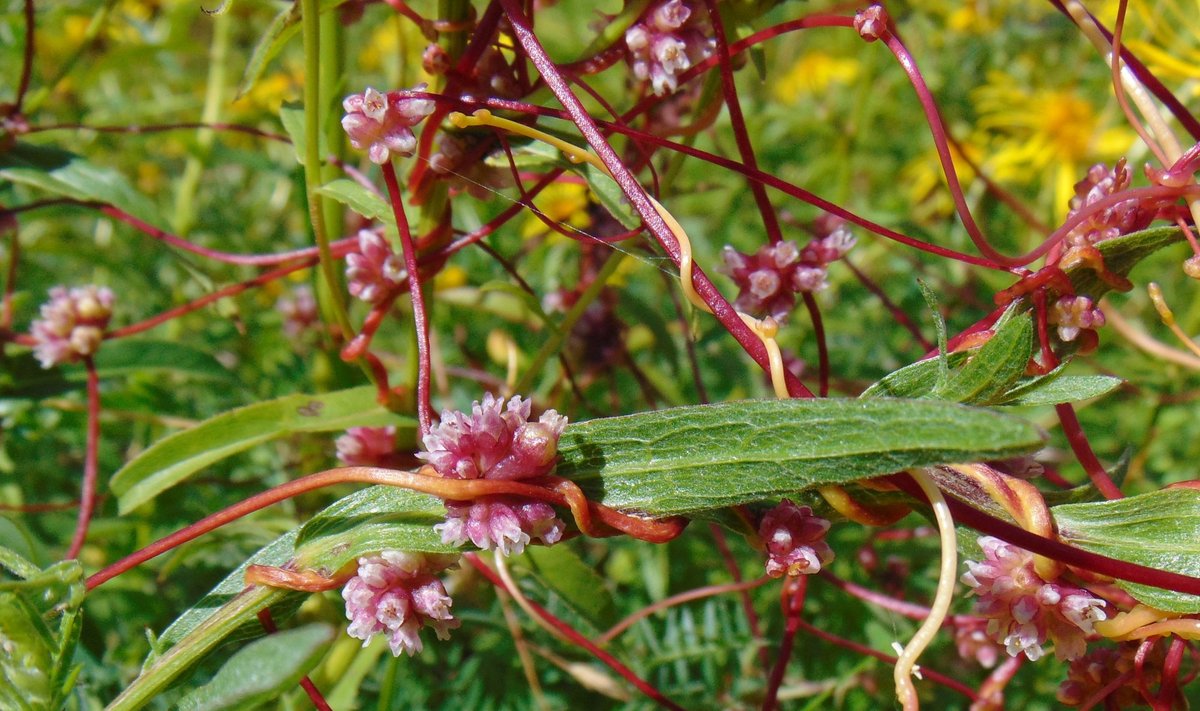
x: 1168, y: 318
x: 906, y: 663
x: 1136, y: 91
x: 1144, y: 621
x: 765, y: 329
x: 1022, y: 501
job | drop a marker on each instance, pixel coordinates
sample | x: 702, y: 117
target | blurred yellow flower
x: 813, y: 73
x: 271, y: 91
x: 560, y: 202
x: 1172, y: 51
x: 1046, y: 136
x: 925, y: 183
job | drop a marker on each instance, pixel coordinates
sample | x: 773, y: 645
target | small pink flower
x: 374, y: 271
x: 72, y: 324
x: 972, y: 642
x: 496, y: 442
x: 1024, y: 610
x: 382, y: 124
x: 396, y: 594
x: 299, y: 311
x: 1115, y: 220
x: 769, y: 280
x: 1073, y: 314
x: 666, y: 42
x: 367, y: 446
x: 795, y: 540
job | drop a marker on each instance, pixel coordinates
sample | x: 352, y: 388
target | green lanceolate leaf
x: 559, y: 569
x: 690, y: 459
x: 1160, y: 530
x: 1064, y: 388
x: 360, y: 200
x: 178, y: 456
x: 610, y: 195
x: 262, y: 670
x: 1121, y: 255
x: 63, y: 173
x: 990, y: 371
x: 374, y: 519
x: 916, y: 380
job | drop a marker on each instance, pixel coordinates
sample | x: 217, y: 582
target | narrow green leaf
x: 990, y: 371
x: 128, y: 356
x: 39, y: 629
x: 1160, y: 530
x: 1121, y: 255
x: 292, y: 117
x: 283, y: 27
x: 689, y: 459
x: 178, y: 456
x: 939, y: 324
x: 534, y: 155
x: 916, y: 380
x: 558, y: 568
x: 360, y: 200
x: 1066, y: 388
x: 262, y: 670
x: 369, y: 520
x: 610, y: 196
x: 63, y: 173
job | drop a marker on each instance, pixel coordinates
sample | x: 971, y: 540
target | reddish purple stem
x: 585, y: 643
x: 420, y: 319
x: 91, y: 461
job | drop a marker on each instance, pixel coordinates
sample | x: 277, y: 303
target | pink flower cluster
x: 374, y: 271
x: 666, y: 42
x: 1096, y: 670
x: 381, y: 124
x: 1024, y: 610
x: 367, y: 446
x: 1114, y: 221
x: 972, y: 642
x: 496, y: 442
x: 795, y: 540
x: 769, y: 280
x: 72, y: 324
x: 299, y: 311
x: 396, y: 594
x: 1073, y: 314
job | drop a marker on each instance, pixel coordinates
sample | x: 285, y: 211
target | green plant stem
x: 554, y: 343
x: 311, y: 32
x: 214, y: 98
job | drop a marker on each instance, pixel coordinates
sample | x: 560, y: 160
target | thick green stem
x: 214, y: 99
x: 311, y: 31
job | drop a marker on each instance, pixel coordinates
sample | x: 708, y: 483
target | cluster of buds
x: 396, y: 594
x: 461, y: 157
x: 1113, y: 221
x: 769, y: 280
x: 1074, y: 314
x: 72, y: 324
x: 299, y: 311
x: 493, y: 75
x: 666, y: 42
x: 496, y: 442
x: 367, y: 446
x: 1094, y: 672
x: 374, y: 271
x: 1023, y: 610
x: 795, y: 540
x: 381, y: 124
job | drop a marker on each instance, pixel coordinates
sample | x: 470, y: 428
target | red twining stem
x: 91, y: 461
x: 420, y: 319
x: 570, y: 633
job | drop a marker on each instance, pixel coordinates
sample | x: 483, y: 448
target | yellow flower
x: 1042, y: 135
x: 813, y: 73
x: 1172, y: 51
x: 560, y: 202
x: 925, y: 183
